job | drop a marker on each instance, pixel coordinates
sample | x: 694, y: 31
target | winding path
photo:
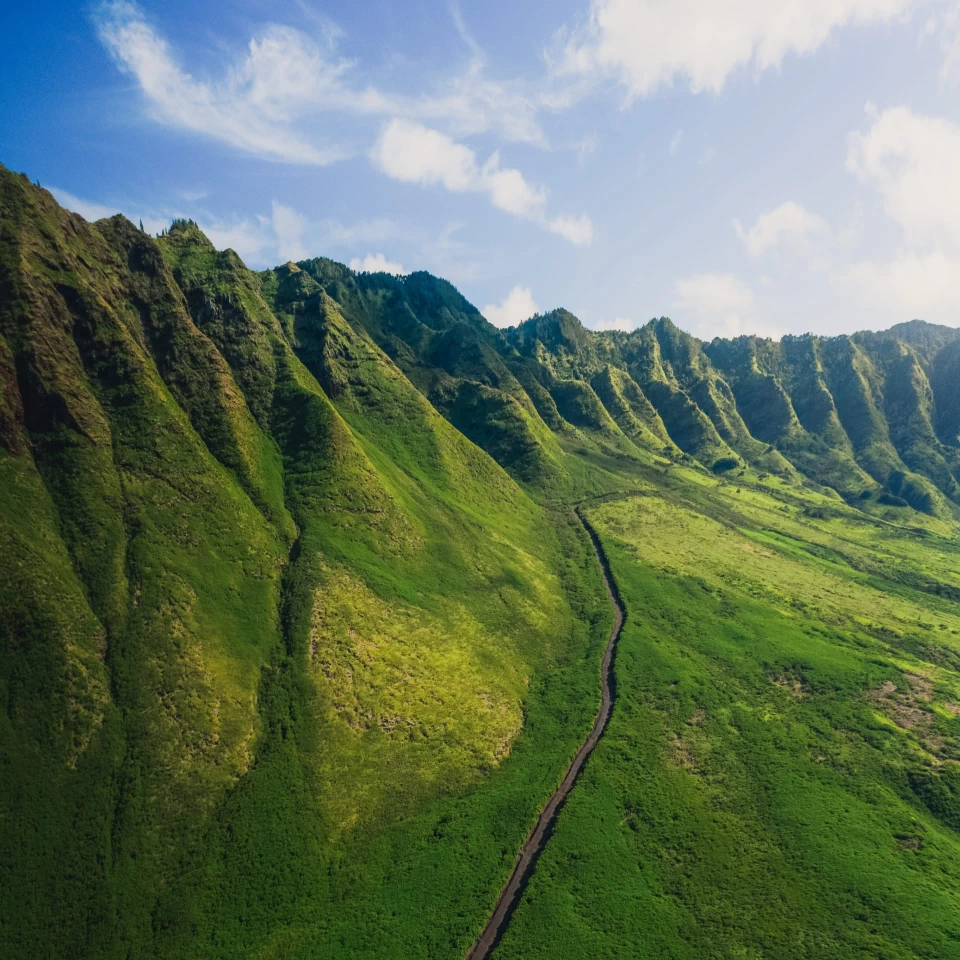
x: 538, y: 836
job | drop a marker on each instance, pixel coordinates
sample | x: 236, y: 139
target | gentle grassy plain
x: 780, y: 777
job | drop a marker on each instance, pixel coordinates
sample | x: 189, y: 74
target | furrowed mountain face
x: 297, y: 632
x: 872, y: 417
x: 255, y: 589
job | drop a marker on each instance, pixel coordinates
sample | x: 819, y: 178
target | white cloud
x: 253, y: 239
x: 449, y: 257
x: 259, y: 240
x: 249, y: 109
x: 713, y: 293
x: 377, y: 263
x: 412, y: 153
x: 456, y: 14
x: 949, y: 30
x: 713, y: 305
x: 650, y: 44
x: 516, y: 307
x: 471, y: 103
x: 510, y: 191
x: 376, y: 230
x: 578, y: 230
x: 263, y: 102
x: 912, y: 162
x: 289, y: 227
x: 675, y: 142
x: 911, y: 286
x: 788, y: 226
x: 586, y: 148
x: 89, y: 211
x: 623, y: 324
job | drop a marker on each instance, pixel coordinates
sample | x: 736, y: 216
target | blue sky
x: 739, y: 165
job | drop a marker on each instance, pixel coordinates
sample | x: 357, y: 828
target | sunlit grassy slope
x: 780, y: 777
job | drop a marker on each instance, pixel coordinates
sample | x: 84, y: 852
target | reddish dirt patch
x: 907, y: 707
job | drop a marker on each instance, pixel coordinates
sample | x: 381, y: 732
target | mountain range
x: 297, y: 629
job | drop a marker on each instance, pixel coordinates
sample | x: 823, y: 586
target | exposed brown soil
x: 792, y: 685
x: 908, y: 707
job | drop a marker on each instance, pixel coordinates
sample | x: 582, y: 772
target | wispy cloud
x: 266, y: 99
x: 92, y: 210
x: 252, y: 238
x: 412, y: 153
x: 910, y: 161
x: 259, y: 240
x: 289, y: 226
x: 949, y: 29
x: 456, y: 14
x: 788, y: 226
x: 716, y: 304
x: 586, y: 148
x: 334, y: 233
x: 450, y: 257
x: 623, y: 324
x: 87, y: 209
x: 250, y: 108
x: 910, y: 286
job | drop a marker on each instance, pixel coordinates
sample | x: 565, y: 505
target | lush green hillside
x: 268, y: 620
x: 298, y: 631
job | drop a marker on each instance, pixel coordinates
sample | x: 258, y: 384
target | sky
x: 741, y: 166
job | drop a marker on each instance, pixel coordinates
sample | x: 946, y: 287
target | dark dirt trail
x: 537, y: 839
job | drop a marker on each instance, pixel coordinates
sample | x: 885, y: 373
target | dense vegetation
x: 298, y: 631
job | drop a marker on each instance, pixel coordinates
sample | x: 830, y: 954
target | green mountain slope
x: 262, y: 605
x: 298, y: 631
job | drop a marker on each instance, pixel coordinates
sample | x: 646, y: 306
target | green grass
x: 780, y: 774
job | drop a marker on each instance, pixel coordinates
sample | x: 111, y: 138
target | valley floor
x: 780, y: 776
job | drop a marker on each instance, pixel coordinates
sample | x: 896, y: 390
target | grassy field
x: 780, y: 777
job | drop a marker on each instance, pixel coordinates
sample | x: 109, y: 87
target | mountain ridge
x: 293, y: 611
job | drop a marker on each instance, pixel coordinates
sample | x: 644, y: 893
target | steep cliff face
x: 849, y: 413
